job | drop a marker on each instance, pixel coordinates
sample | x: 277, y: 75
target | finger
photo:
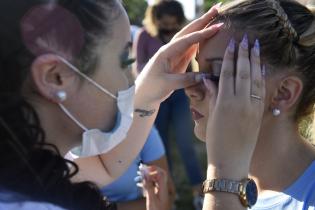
x: 199, y: 23
x: 161, y: 181
x: 256, y: 72
x: 243, y: 73
x: 212, y: 91
x: 184, y: 43
x: 138, y: 179
x: 226, y: 81
x: 149, y: 189
x: 179, y: 81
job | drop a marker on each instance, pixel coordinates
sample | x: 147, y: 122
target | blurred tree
x: 209, y: 3
x: 136, y: 10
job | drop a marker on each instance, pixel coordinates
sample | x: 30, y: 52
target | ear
x: 51, y: 76
x: 287, y: 93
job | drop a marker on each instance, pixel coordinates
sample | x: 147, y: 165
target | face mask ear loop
x: 86, y: 77
x: 65, y: 110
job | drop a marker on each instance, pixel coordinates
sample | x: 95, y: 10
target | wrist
x: 228, y: 170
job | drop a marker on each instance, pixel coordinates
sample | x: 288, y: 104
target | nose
x: 195, y: 92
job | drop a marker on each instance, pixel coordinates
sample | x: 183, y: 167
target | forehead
x: 111, y: 48
x: 214, y: 47
x: 120, y: 30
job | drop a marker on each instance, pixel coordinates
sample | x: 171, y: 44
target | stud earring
x: 62, y: 95
x: 276, y: 112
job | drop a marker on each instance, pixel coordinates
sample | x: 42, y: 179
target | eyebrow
x: 214, y: 59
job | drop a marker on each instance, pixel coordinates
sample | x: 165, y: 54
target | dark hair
x: 158, y: 10
x: 30, y: 166
x: 286, y: 31
x: 169, y: 7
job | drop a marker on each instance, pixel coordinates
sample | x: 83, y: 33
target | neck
x: 281, y: 155
x: 59, y: 129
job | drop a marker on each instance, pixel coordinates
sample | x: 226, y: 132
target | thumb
x: 179, y: 81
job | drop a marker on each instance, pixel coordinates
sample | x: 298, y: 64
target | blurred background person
x: 163, y: 20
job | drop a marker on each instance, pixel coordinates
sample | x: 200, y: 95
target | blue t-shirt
x: 125, y: 188
x: 299, y: 196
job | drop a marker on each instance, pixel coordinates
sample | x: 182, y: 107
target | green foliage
x: 136, y: 10
x: 209, y: 3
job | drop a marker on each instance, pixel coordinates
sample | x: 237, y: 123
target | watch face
x: 251, y: 193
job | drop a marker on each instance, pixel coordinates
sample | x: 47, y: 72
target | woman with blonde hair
x: 248, y: 111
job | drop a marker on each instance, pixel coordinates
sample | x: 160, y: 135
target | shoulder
x: 303, y: 189
x: 143, y: 35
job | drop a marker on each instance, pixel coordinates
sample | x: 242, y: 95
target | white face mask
x: 95, y: 141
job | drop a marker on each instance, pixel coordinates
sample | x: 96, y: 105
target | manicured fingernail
x: 244, y: 42
x: 257, y: 48
x: 138, y: 179
x: 206, y: 83
x: 231, y: 46
x: 218, y: 25
x: 139, y: 185
x: 263, y: 70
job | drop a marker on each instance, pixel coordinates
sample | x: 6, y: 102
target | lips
x: 195, y: 114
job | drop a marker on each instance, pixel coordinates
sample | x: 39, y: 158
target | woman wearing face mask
x: 163, y: 19
x: 62, y: 85
x: 251, y: 131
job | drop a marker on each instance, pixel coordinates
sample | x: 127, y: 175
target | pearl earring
x: 62, y: 95
x: 276, y: 112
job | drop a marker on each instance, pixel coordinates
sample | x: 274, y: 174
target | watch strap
x: 222, y: 185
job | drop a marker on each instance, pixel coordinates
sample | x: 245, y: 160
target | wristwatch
x: 245, y: 189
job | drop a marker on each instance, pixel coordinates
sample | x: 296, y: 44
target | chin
x: 200, y: 132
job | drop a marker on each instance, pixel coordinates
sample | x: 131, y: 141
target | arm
x: 229, y: 153
x: 163, y: 74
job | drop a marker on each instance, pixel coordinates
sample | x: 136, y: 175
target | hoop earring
x: 276, y: 112
x: 61, y: 95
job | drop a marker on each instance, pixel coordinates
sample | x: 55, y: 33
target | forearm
x: 224, y: 166
x: 118, y: 160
